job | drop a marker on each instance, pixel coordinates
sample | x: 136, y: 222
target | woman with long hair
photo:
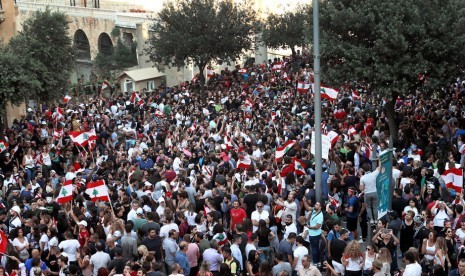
x: 450, y: 244
x: 370, y: 256
x: 247, y: 227
x: 212, y: 220
x: 352, y: 259
x: 204, y: 269
x: 253, y: 263
x: 200, y: 224
x: 220, y: 235
x: 83, y: 260
x: 143, y: 252
x: 264, y: 236
x: 190, y: 214
x: 440, y: 257
x: 407, y: 231
x: 384, y: 256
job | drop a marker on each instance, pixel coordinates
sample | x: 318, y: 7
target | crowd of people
x: 196, y: 185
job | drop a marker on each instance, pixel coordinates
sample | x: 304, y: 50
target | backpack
x: 238, y: 266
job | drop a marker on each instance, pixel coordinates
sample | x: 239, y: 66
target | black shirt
x: 250, y: 200
x: 118, y: 264
x: 154, y: 245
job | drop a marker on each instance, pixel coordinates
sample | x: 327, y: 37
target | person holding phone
x: 389, y: 241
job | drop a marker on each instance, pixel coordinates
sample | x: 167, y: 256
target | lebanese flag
x: 97, y: 191
x: 453, y: 178
x: 59, y: 113
x: 3, y: 145
x: 210, y: 73
x: 281, y: 151
x: 273, y: 116
x: 277, y: 66
x: 192, y: 128
x: 286, y: 77
x: 66, y: 192
x: 206, y: 210
x: 243, y: 71
x: 206, y: 171
x: 303, y: 87
x: 299, y: 166
x: 327, y: 92
x: 135, y: 99
x: 249, y: 103
x: 355, y: 95
x: 352, y: 131
x: 333, y: 136
x: 287, y: 169
x: 228, y: 143
x: 159, y: 113
x: 105, y: 85
x: 333, y: 201
x: 130, y: 173
x: 67, y: 98
x: 3, y: 242
x: 462, y: 149
x: 57, y: 134
x: 82, y: 138
x: 244, y: 163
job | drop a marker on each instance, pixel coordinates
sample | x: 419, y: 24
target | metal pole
x: 317, y: 94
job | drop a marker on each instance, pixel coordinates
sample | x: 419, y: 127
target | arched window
x: 82, y: 45
x: 105, y: 45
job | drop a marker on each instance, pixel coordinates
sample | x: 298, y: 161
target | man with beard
x: 290, y: 227
x: 237, y: 215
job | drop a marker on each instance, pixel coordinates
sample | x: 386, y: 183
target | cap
x: 376, y: 263
x: 430, y: 186
x: 146, y: 183
x: 139, y: 211
x: 161, y: 199
x: 417, y: 219
x: 117, y: 234
x: 29, y: 109
x: 83, y: 222
x: 16, y: 209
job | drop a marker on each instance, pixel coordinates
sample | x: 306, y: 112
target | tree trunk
x: 293, y: 51
x: 393, y: 127
x: 202, y: 79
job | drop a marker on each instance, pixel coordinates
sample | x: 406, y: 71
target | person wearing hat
x: 376, y: 266
x: 84, y: 235
x: 139, y: 220
x: 15, y: 217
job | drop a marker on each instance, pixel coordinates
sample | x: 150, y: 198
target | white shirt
x: 290, y: 229
x: 460, y: 233
x: 299, y: 253
x: 100, y: 259
x: 15, y: 223
x: 258, y: 216
x: 165, y: 229
x: 369, y: 181
x: 251, y: 182
x: 132, y: 214
x: 177, y: 164
x: 70, y: 247
x: 249, y: 247
x: 412, y: 270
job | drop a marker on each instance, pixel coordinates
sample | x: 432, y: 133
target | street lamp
x: 317, y: 101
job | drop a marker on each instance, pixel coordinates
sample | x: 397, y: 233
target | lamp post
x: 317, y: 101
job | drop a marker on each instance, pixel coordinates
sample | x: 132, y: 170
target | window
x: 128, y: 85
x: 150, y: 85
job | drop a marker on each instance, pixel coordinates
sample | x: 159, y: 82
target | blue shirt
x: 183, y: 261
x: 353, y: 202
x: 145, y: 165
x: 315, y: 218
x: 28, y: 265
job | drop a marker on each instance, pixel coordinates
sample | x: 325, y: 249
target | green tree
x: 287, y: 30
x: 200, y: 31
x: 44, y: 42
x: 16, y: 82
x: 390, y: 43
x: 121, y: 58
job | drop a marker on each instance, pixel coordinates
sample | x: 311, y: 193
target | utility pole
x: 317, y: 102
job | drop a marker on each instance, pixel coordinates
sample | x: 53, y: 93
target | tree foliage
x: 287, y: 30
x: 121, y: 58
x: 200, y: 31
x: 389, y: 43
x: 45, y: 45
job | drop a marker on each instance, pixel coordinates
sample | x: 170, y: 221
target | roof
x: 142, y: 74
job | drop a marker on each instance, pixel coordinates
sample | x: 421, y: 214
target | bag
x: 238, y: 266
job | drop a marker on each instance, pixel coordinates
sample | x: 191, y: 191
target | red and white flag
x: 333, y: 201
x: 355, y: 95
x: 453, y: 177
x: 352, y: 131
x: 81, y: 138
x: 281, y: 151
x: 327, y: 92
x: 3, y: 145
x: 249, y: 103
x: 3, y: 242
x: 67, y: 98
x: 57, y: 134
x: 286, y: 77
x: 303, y: 87
x: 299, y: 166
x: 207, y: 172
x: 66, y: 192
x: 242, y: 71
x: 273, y: 115
x: 333, y: 136
x: 287, y: 169
x: 159, y: 113
x: 277, y: 66
x: 192, y: 128
x: 244, y: 163
x: 97, y: 191
x: 105, y: 85
x: 135, y: 99
x: 228, y: 143
x: 210, y: 72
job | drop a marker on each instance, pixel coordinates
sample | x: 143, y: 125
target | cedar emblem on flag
x: 281, y: 151
x: 303, y: 87
x: 3, y: 145
x: 97, y: 191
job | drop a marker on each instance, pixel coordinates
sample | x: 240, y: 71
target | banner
x: 325, y: 145
x: 383, y: 183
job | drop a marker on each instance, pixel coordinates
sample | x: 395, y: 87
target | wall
x: 8, y: 27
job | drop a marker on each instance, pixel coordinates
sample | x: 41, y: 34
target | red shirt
x: 83, y: 236
x: 237, y: 216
